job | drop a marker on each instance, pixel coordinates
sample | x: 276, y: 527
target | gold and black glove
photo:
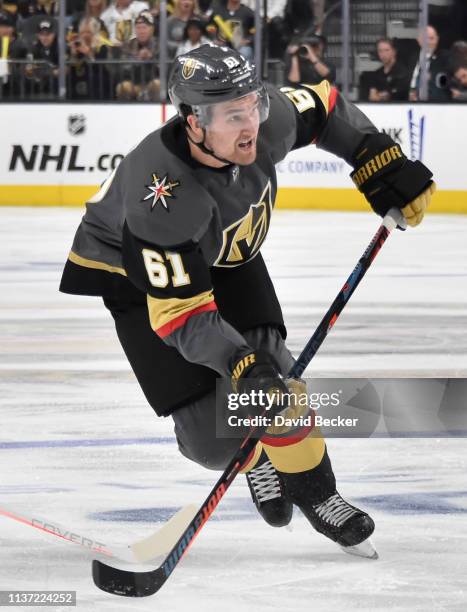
x: 388, y: 179
x: 257, y: 373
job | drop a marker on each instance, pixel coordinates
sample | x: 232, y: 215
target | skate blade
x: 364, y: 549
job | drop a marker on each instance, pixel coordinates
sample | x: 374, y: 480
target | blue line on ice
x: 430, y: 502
x: 85, y: 442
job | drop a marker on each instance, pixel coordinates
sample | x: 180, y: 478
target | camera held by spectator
x: 305, y: 63
x: 314, y: 42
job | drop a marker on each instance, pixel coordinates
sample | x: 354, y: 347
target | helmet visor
x: 233, y: 115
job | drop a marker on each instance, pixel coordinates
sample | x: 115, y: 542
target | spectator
x: 119, y: 19
x: 92, y: 8
x: 234, y: 24
x: 45, y: 47
x: 276, y: 8
x: 205, y: 9
x: 391, y: 81
x: 26, y: 8
x: 10, y: 13
x: 45, y: 50
x: 305, y: 63
x: 458, y: 55
x: 194, y: 36
x: 89, y: 80
x: 437, y: 70
x: 184, y: 10
x: 11, y: 49
x: 8, y: 31
x: 48, y: 7
x: 277, y: 38
x: 458, y: 84
x: 141, y: 80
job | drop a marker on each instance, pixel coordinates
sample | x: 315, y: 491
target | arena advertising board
x: 54, y: 154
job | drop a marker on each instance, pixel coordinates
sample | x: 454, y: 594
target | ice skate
x: 343, y: 523
x: 268, y: 493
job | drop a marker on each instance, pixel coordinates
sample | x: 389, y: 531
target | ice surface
x: 79, y: 445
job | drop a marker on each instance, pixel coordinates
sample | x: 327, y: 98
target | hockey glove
x: 257, y: 374
x: 387, y: 178
x: 415, y: 211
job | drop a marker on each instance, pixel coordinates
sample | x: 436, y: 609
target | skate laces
x: 265, y: 482
x: 335, y: 510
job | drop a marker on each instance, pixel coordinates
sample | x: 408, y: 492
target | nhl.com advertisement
x: 75, y: 148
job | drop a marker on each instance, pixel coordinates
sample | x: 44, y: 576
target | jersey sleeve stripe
x: 167, y: 315
x: 95, y: 265
x: 332, y: 99
x: 168, y: 328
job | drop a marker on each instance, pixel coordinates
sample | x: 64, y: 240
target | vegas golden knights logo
x: 123, y: 30
x: 243, y: 239
x: 189, y: 68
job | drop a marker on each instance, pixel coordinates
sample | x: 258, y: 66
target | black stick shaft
x: 340, y: 301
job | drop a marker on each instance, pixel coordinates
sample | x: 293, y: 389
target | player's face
x: 233, y: 129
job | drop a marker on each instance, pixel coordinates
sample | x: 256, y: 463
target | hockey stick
x: 141, y: 584
x: 139, y: 552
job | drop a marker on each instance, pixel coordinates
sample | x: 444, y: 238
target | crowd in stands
x: 112, y: 48
x: 401, y: 79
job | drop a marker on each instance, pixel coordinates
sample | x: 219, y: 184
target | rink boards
x: 58, y: 154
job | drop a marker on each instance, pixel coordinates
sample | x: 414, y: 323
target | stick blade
x: 126, y: 583
x: 129, y: 583
x: 161, y: 543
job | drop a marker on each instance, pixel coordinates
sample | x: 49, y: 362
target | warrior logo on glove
x: 375, y: 164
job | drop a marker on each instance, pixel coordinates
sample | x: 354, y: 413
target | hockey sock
x: 253, y: 459
x: 293, y: 443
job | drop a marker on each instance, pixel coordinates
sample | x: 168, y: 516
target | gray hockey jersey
x: 186, y: 238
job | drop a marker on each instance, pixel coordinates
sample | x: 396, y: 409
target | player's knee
x: 215, y: 456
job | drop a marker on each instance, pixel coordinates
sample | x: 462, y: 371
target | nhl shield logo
x: 76, y: 124
x: 189, y: 68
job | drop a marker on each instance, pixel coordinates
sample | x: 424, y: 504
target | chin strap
x: 204, y: 148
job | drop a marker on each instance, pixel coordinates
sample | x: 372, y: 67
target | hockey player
x: 172, y: 243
